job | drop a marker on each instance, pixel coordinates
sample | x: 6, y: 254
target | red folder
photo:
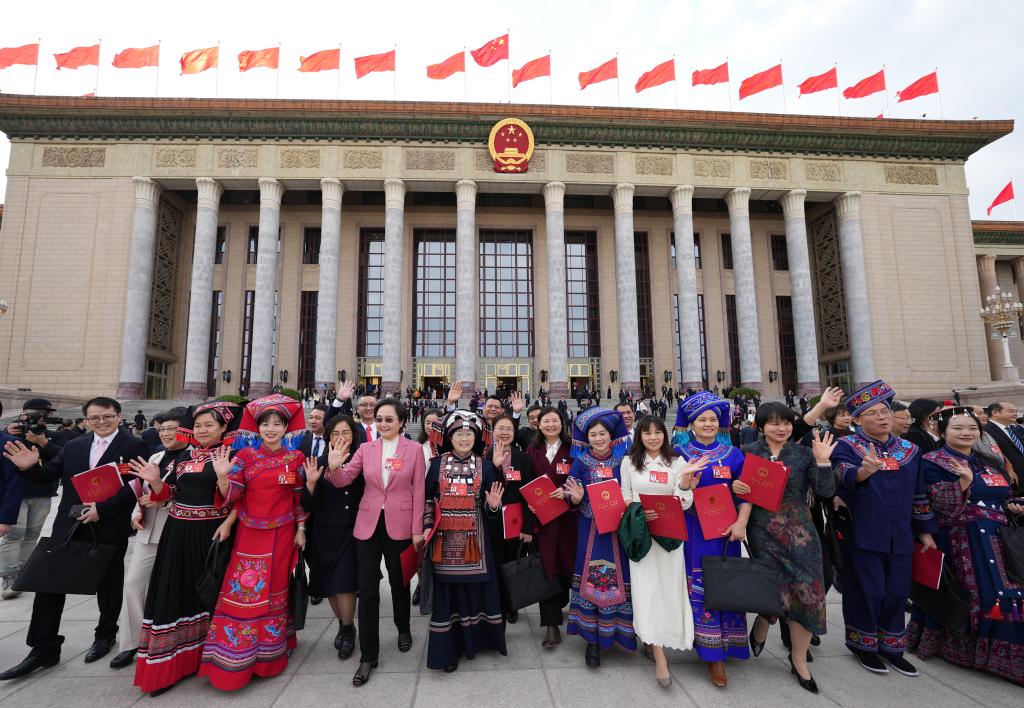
x: 512, y: 520
x: 411, y: 558
x: 767, y: 481
x: 537, y: 495
x: 670, y: 522
x: 98, y: 484
x: 715, y: 509
x: 927, y: 567
x: 607, y: 504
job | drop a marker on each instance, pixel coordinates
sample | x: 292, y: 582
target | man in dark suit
x: 313, y: 443
x: 110, y: 520
x: 1002, y: 426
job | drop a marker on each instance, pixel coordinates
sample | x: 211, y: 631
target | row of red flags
x: 199, y: 60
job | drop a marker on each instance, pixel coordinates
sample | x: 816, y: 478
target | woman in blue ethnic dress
x: 461, y: 487
x: 787, y: 537
x: 702, y: 424
x: 969, y: 495
x: 252, y: 631
x: 600, y: 609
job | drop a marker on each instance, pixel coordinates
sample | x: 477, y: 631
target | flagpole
x: 156, y: 91
x: 783, y: 87
x: 96, y: 86
x: 35, y: 73
x: 339, y: 72
x: 839, y: 109
x: 465, y: 78
x: 728, y: 81
x: 216, y: 85
x: 508, y: 68
x: 618, y: 81
x: 886, y: 91
x: 938, y: 94
x: 675, y: 82
x: 394, y: 74
x: 551, y: 82
x: 277, y: 80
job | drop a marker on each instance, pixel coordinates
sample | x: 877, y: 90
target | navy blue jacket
x: 11, y: 486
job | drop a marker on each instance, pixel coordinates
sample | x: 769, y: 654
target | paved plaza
x: 529, y: 676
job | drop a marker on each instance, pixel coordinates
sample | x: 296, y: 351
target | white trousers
x: 136, y: 584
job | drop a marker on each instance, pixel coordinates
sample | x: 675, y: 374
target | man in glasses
x: 110, y: 520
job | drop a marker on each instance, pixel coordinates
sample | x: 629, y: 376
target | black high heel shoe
x: 806, y: 684
x: 593, y: 656
x: 362, y: 675
x: 756, y: 647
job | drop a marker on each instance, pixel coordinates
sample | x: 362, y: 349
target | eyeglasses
x: 883, y: 413
x: 383, y: 419
x: 101, y: 418
x: 366, y: 405
x: 168, y: 429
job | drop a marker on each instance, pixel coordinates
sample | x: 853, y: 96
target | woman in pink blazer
x: 390, y: 518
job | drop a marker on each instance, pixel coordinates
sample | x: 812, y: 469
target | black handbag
x: 1012, y: 537
x: 741, y: 585
x: 526, y: 583
x: 298, y: 589
x: 63, y: 566
x: 209, y: 583
x: 950, y: 604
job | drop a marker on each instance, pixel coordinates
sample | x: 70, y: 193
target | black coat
x: 1010, y: 451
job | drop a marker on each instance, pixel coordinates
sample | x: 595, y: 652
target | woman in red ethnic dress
x: 252, y: 631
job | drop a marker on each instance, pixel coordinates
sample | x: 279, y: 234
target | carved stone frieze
x: 295, y: 158
x: 74, y: 157
x: 911, y: 174
x: 429, y: 160
x: 363, y: 160
x: 823, y: 171
x: 234, y: 158
x: 712, y: 167
x: 653, y: 165
x: 174, y: 157
x: 769, y: 169
x: 589, y: 163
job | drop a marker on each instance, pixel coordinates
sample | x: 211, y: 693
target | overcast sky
x: 976, y: 47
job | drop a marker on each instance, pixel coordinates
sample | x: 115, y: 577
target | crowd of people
x: 230, y: 502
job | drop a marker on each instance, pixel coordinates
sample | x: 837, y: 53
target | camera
x: 34, y: 422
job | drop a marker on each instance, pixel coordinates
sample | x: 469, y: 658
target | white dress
x: 661, y: 603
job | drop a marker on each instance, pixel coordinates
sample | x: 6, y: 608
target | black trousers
x: 368, y: 555
x: 551, y: 609
x: 44, y: 628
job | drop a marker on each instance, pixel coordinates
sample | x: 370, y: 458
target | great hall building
x: 191, y: 247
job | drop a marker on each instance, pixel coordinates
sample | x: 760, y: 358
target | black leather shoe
x: 362, y: 674
x: 806, y: 684
x: 404, y: 642
x: 451, y: 668
x: 314, y: 600
x: 512, y: 617
x: 30, y: 664
x: 756, y: 647
x: 123, y: 659
x: 593, y: 656
x: 416, y: 595
x: 99, y: 649
x: 347, y: 645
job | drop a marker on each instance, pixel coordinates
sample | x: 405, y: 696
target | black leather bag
x: 298, y: 590
x: 66, y: 567
x: 950, y: 605
x: 526, y: 583
x: 1012, y: 537
x: 208, y: 584
x: 741, y: 585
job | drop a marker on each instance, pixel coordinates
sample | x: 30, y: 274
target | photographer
x: 24, y: 505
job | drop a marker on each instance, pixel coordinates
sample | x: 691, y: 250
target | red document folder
x: 512, y: 520
x: 411, y: 558
x: 97, y: 485
x: 670, y: 522
x: 607, y: 504
x: 767, y: 481
x: 927, y: 566
x: 715, y: 509
x: 537, y: 495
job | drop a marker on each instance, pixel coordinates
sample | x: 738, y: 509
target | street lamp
x: 3, y: 307
x: 1002, y: 313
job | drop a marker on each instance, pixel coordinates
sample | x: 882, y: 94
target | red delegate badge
x: 890, y: 463
x: 603, y: 472
x: 721, y: 472
x: 394, y: 463
x: 513, y: 475
x: 994, y: 480
x: 659, y: 476
x: 562, y: 468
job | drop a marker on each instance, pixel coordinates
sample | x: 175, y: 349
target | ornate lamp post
x: 1002, y: 313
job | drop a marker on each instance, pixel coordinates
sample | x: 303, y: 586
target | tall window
x: 787, y: 342
x: 726, y: 251
x: 222, y: 245
x: 213, y: 361
x: 506, y: 293
x: 696, y: 250
x: 680, y: 343
x: 732, y: 328
x: 311, y: 245
x: 433, y: 326
x: 780, y: 256
x: 645, y: 326
x: 307, y: 339
x: 253, y: 245
x: 581, y: 294
x: 247, y: 318
x: 371, y: 292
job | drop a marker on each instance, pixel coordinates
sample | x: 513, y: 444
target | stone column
x: 625, y: 288
x: 467, y: 287
x: 855, y: 289
x: 557, y: 384
x: 738, y: 201
x: 686, y: 287
x: 1018, y: 274
x: 395, y: 288
x: 262, y: 361
x: 331, y: 190
x: 140, y: 288
x: 804, y: 332
x: 200, y: 306
x: 987, y: 283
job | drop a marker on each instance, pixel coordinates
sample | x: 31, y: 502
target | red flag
x: 1001, y: 198
x: 866, y: 87
x: 79, y: 56
x: 137, y: 58
x: 708, y: 77
x: 326, y: 60
x: 492, y: 52
x: 254, y: 58
x: 661, y: 74
x: 927, y: 84
x: 452, y: 65
x: 199, y: 60
x: 533, y: 69
x: 608, y: 70
x: 821, y: 82
x: 375, y: 62
x: 27, y: 54
x: 761, y: 81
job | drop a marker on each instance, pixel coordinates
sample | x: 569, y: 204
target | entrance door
x: 506, y: 385
x: 433, y: 386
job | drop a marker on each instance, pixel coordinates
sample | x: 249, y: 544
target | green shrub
x: 232, y: 399
x: 747, y: 393
x: 291, y: 393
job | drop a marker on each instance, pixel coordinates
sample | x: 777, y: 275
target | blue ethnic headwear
x: 611, y: 419
x: 875, y: 392
x: 690, y: 409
